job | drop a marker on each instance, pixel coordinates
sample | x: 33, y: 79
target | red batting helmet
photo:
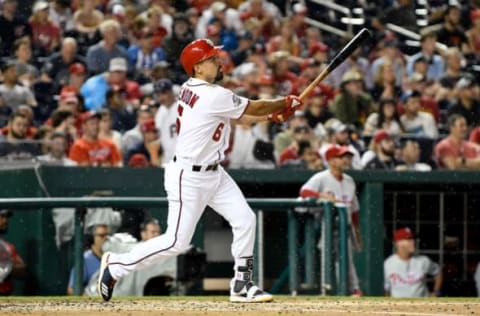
x: 197, y: 51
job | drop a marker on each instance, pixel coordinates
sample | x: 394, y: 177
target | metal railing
x: 260, y: 205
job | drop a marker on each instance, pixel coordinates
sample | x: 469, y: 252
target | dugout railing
x: 329, y: 284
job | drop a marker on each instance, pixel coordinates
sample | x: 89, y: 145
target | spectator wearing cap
x: 57, y: 148
x: 166, y: 117
x: 317, y: 111
x: 12, y: 27
x: 466, y: 104
x: 335, y: 186
x: 13, y: 93
x: 94, y: 90
x: 61, y: 14
x: 13, y: 266
x: 410, y: 155
x: 415, y: 122
x: 106, y: 131
x: 452, y: 33
x: 27, y: 73
x: 57, y: 66
x: 100, y: 55
x: 138, y: 161
x: 16, y: 145
x: 143, y: 56
x: 46, y: 34
x: 299, y: 26
x: 352, y: 105
x: 279, y: 62
x: 454, y: 152
x: 339, y: 135
x: 384, y: 158
x: 386, y: 118
x: 182, y: 34
x: 91, y: 151
x: 354, y: 62
x: 436, y: 63
x: 133, y: 137
x: 77, y: 75
x: 473, y: 34
x: 150, y: 147
x: 406, y: 273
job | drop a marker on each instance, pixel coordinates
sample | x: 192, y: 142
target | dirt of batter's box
x: 217, y: 307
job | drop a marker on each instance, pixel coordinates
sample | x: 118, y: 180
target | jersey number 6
x: 218, y: 131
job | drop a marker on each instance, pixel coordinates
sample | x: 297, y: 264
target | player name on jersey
x: 188, y: 97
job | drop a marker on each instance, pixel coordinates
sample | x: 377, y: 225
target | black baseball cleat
x: 105, y: 282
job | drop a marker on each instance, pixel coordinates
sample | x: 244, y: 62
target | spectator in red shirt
x: 46, y: 35
x: 92, y: 151
x: 454, y: 152
x: 11, y: 264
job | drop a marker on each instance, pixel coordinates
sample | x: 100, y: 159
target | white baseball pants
x: 189, y: 192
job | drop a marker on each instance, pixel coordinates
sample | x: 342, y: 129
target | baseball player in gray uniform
x: 194, y: 177
x: 406, y: 273
x: 337, y: 187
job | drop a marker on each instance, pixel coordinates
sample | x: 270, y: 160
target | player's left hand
x: 293, y: 102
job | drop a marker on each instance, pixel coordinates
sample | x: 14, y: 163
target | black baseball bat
x: 346, y: 51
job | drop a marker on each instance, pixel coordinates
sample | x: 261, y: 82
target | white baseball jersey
x: 407, y: 278
x: 344, y: 190
x: 165, y: 121
x: 203, y: 121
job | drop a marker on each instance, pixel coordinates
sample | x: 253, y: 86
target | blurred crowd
x: 95, y: 82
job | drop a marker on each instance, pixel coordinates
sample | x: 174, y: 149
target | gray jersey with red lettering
x: 407, y: 278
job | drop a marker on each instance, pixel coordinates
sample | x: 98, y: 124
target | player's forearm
x: 265, y: 106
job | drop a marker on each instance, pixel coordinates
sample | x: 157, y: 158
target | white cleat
x: 250, y: 293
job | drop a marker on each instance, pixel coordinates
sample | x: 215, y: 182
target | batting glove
x: 293, y: 102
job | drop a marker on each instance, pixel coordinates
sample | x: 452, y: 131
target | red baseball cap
x: 76, y: 69
x: 138, y: 160
x: 402, y: 233
x: 148, y: 126
x: 317, y: 47
x: 337, y: 152
x: 474, y: 14
x: 381, y: 135
x: 69, y: 94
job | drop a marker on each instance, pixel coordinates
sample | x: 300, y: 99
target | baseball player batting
x: 194, y: 177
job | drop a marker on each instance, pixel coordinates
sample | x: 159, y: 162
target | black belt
x: 198, y: 168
